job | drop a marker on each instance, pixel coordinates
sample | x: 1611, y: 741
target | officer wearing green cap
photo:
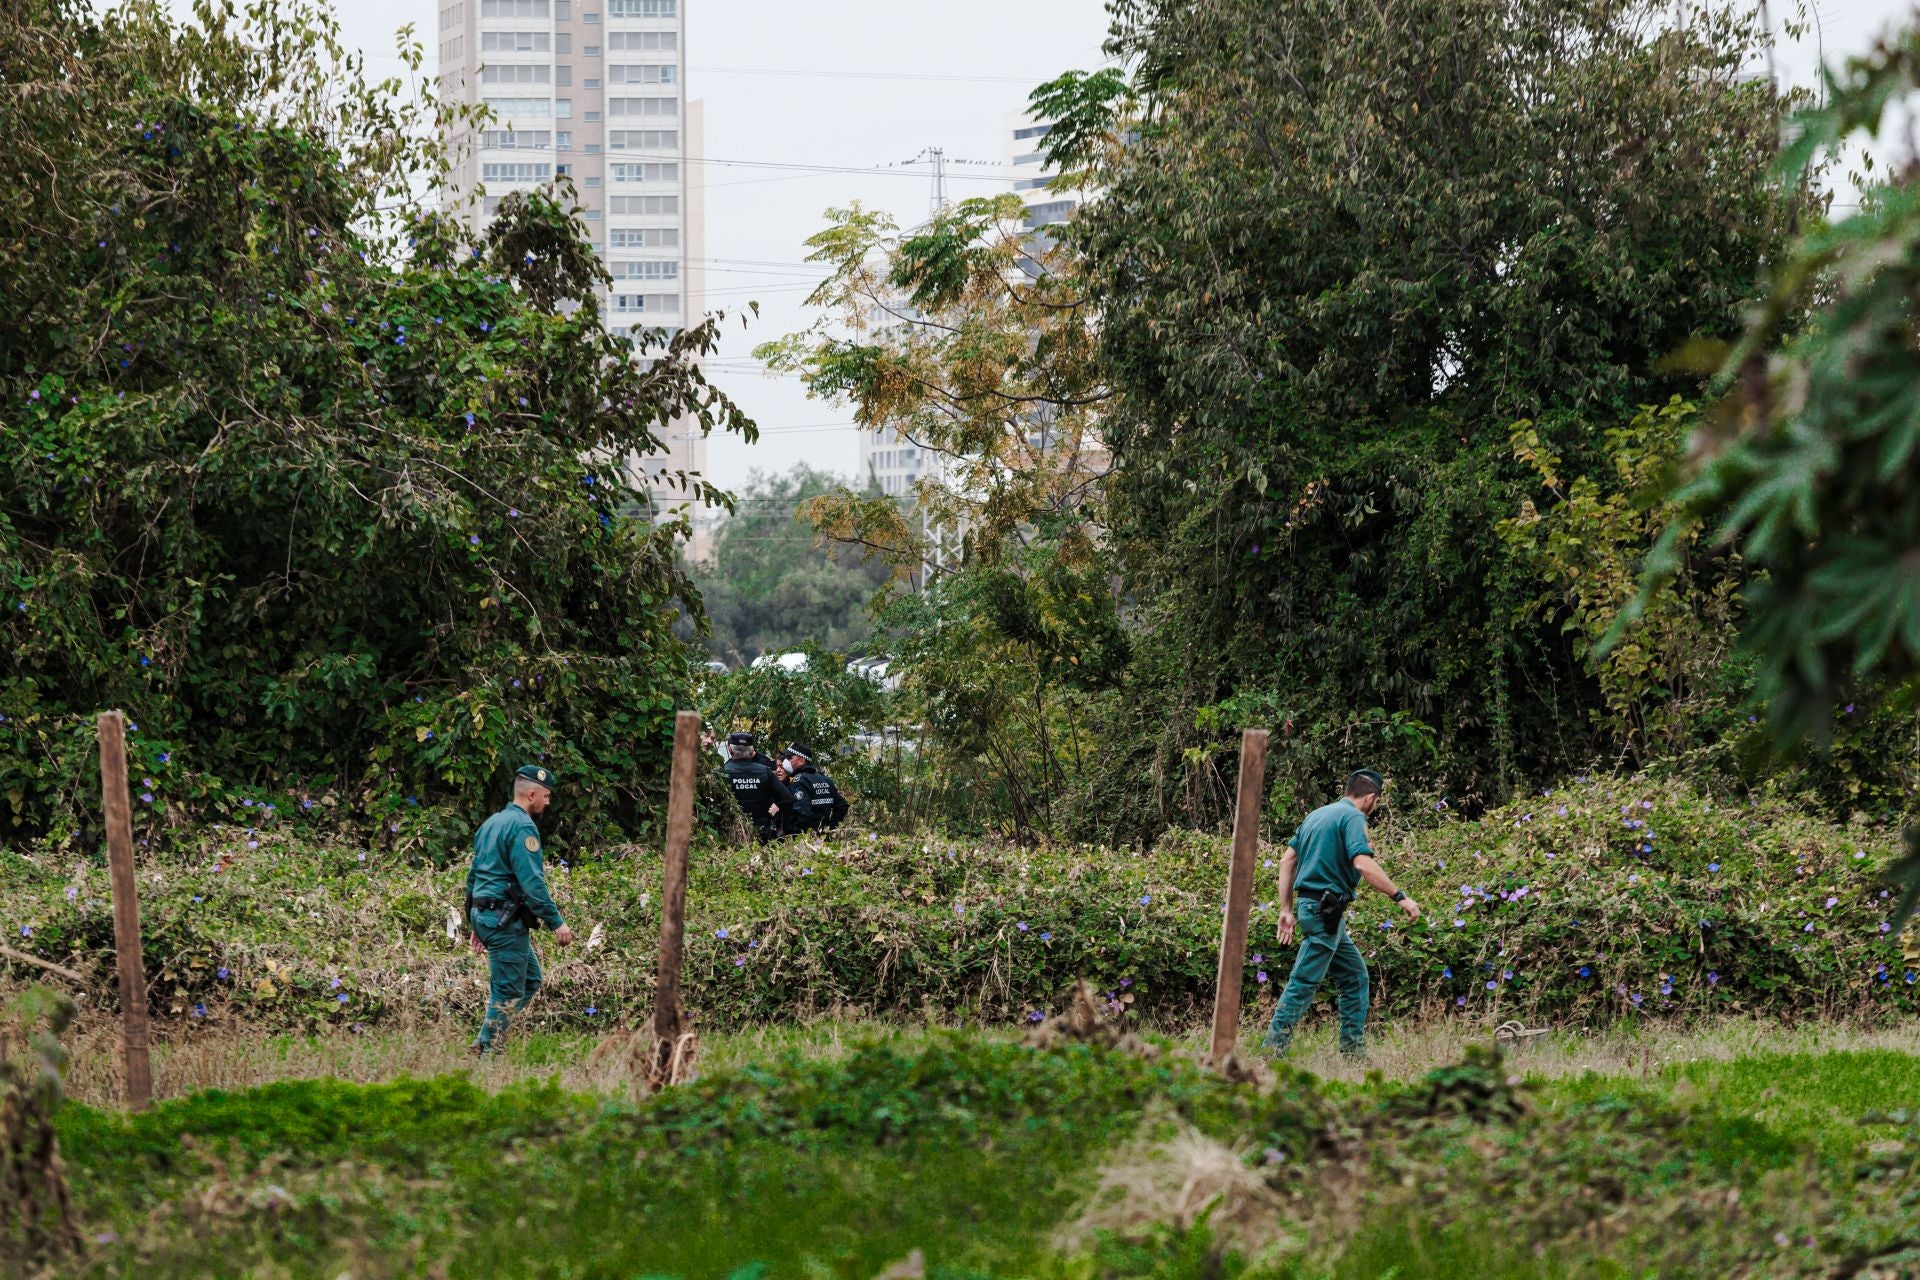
x: 507, y: 896
x: 1324, y: 864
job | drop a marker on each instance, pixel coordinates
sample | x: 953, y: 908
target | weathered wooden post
x: 671, y: 1059
x: 1233, y: 936
x: 126, y: 906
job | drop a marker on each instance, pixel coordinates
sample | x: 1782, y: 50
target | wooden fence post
x: 126, y: 907
x: 1233, y: 935
x: 671, y: 1060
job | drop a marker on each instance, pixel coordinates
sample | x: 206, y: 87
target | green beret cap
x: 536, y: 773
x: 1371, y: 775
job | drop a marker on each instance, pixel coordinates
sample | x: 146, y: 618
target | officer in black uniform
x: 770, y: 805
x: 828, y: 805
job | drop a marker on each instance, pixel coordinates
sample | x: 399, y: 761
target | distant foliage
x: 772, y: 586
x: 1669, y: 684
x: 1345, y: 248
x: 327, y: 495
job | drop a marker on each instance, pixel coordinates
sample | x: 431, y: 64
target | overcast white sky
x: 858, y: 83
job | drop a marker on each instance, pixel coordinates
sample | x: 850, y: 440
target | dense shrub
x: 330, y: 496
x: 1608, y: 900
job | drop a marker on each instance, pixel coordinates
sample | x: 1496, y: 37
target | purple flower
x: 513, y: 513
x: 1586, y: 971
x: 1491, y: 985
x: 1636, y: 997
x: 1021, y: 926
x: 1046, y: 937
x: 255, y: 844
x: 1506, y: 975
x: 1885, y: 927
x: 1145, y: 898
x: 1713, y: 979
x: 1460, y: 1002
x: 221, y: 973
x: 1646, y: 804
x: 1126, y: 982
x: 473, y: 539
x: 199, y: 1011
x: 1258, y: 958
x: 146, y: 797
x: 342, y: 997
x: 1034, y: 1015
x: 73, y: 891
x: 738, y: 961
x: 720, y: 933
x: 26, y: 931
x: 1713, y: 866
x: 1832, y: 903
x: 591, y: 1011
x: 334, y: 985
x: 1809, y: 928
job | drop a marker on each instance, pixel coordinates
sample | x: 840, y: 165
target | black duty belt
x: 493, y: 904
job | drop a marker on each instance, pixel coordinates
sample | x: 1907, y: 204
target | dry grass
x: 1402, y: 1052
x: 237, y: 1057
x: 243, y: 1058
x: 1176, y: 1180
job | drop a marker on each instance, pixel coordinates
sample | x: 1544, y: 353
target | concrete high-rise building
x: 1029, y: 175
x: 594, y: 91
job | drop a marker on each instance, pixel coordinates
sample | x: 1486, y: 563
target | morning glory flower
x: 334, y: 985
x: 1145, y: 898
x: 1021, y: 926
x: 199, y: 1011
x: 221, y: 973
x: 738, y: 961
x: 1586, y: 971
x: 720, y: 933
x: 73, y: 892
x: 1261, y: 976
x: 1034, y: 1015
x: 1713, y: 866
x: 1713, y: 979
x: 1046, y: 937
x: 473, y: 539
x: 1636, y: 997
x: 1832, y: 903
x: 1492, y: 985
x: 26, y: 931
x: 591, y: 1011
x: 342, y: 997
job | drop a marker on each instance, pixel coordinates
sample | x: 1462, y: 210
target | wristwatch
x: 1399, y: 895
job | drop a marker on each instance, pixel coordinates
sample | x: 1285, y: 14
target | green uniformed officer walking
x: 1332, y: 855
x: 506, y: 896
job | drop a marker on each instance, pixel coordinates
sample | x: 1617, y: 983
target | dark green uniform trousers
x: 1323, y: 954
x: 513, y: 973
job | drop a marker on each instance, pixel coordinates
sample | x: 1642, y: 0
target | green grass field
x: 840, y: 1150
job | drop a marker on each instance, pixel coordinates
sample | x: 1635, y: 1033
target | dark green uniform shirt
x: 1327, y: 843
x: 506, y: 855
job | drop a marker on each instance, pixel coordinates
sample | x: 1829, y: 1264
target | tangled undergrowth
x: 1611, y: 901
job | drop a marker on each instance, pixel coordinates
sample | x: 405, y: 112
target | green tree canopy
x: 314, y: 485
x: 1346, y: 248
x: 771, y: 586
